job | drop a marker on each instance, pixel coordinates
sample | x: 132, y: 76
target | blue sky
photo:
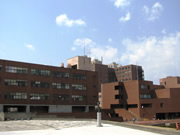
x: 146, y: 32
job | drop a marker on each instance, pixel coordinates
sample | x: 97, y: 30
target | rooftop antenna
x: 84, y: 46
x: 175, y: 68
x: 102, y: 59
x: 84, y: 49
x: 89, y: 52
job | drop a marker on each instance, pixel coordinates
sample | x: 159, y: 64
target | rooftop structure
x: 170, y: 82
x: 80, y: 62
x: 85, y: 63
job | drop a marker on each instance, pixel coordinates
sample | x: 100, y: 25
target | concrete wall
x: 15, y: 116
x: 60, y: 108
x: 1, y: 116
x: 1, y: 108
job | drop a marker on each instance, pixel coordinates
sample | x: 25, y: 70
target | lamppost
x: 98, y: 115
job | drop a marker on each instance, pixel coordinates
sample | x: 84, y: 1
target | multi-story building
x: 107, y: 73
x: 112, y: 75
x: 26, y: 87
x: 170, y: 82
x: 140, y: 99
x: 85, y: 63
x: 129, y: 72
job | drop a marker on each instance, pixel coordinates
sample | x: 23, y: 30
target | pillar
x: 99, y: 119
x: 1, y: 108
x: 27, y: 108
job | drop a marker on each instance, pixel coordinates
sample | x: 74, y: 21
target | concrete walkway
x: 79, y: 127
x: 107, y: 129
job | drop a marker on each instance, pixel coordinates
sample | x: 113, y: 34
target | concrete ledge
x: 153, y: 129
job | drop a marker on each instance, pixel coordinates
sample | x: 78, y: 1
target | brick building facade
x: 140, y: 100
x: 26, y: 87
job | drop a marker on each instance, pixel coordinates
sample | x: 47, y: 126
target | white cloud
x: 158, y: 56
x: 64, y: 20
x: 126, y: 18
x: 153, y: 13
x: 163, y: 31
x: 83, y: 42
x: 108, y: 53
x: 73, y: 48
x: 146, y: 9
x: 29, y: 46
x: 109, y: 40
x: 121, y: 3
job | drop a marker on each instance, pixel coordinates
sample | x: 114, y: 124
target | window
x: 78, y: 98
x: 79, y: 87
x: 0, y: 67
x: 146, y: 105
x: 117, y: 87
x: 145, y: 96
x: 61, y: 74
x: 12, y: 82
x: 60, y: 86
x: 15, y: 95
x: 145, y: 86
x: 161, y: 105
x: 19, y: 70
x: 61, y: 97
x: 114, y: 106
x: 118, y: 96
x: 39, y: 84
x: 132, y: 106
x: 40, y: 72
x: 79, y: 76
x: 36, y: 96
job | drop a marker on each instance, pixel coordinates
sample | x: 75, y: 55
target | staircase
x: 112, y: 115
x: 126, y: 114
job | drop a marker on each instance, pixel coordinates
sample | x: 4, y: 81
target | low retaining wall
x: 1, y: 116
x: 27, y: 116
x: 19, y: 116
x: 92, y: 115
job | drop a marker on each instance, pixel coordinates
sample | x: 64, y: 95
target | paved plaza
x: 68, y: 127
